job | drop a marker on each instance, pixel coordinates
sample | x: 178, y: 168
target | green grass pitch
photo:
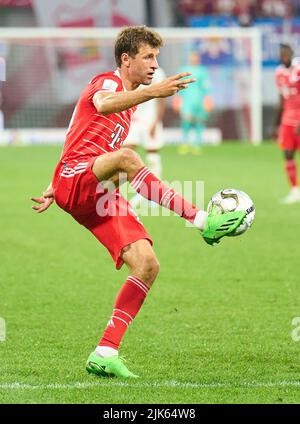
x: 215, y: 328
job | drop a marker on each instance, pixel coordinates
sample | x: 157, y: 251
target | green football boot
x: 219, y: 225
x: 111, y: 366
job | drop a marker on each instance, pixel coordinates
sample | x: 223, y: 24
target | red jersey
x: 288, y: 84
x: 93, y: 134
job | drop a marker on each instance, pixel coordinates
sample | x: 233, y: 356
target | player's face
x: 144, y: 65
x: 286, y: 56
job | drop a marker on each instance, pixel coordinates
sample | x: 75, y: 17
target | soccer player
x: 147, y: 130
x: 287, y: 125
x: 92, y: 161
x: 194, y: 106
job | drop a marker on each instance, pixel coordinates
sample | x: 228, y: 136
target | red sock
x: 152, y: 188
x: 291, y: 171
x: 128, y: 302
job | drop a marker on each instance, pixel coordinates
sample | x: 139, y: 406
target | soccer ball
x: 229, y: 200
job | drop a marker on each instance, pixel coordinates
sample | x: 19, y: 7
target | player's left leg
x: 143, y: 269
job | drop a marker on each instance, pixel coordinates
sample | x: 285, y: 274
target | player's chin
x: 147, y: 80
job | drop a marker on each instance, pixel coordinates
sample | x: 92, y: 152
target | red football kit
x: 76, y: 188
x: 288, y: 84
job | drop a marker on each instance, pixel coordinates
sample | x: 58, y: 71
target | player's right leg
x: 108, y: 167
x: 143, y: 269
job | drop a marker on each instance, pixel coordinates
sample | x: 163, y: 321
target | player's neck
x: 127, y: 83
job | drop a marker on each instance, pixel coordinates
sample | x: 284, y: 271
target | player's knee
x: 129, y: 159
x: 149, y: 269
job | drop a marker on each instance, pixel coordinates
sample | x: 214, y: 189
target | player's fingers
x: 36, y: 208
x: 181, y: 75
x: 48, y: 194
x: 37, y: 199
x: 42, y: 208
x: 186, y: 81
x: 46, y: 205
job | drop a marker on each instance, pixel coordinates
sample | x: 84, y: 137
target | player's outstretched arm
x: 110, y: 102
x: 44, y: 201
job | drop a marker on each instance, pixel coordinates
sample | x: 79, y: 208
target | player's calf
x: 141, y: 260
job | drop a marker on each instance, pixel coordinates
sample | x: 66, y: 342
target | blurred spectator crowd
x: 245, y: 10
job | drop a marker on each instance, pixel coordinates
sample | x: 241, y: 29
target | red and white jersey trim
x: 69, y: 172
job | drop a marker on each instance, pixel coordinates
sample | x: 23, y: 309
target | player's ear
x: 125, y: 59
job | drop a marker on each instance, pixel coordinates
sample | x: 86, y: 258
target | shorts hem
x: 119, y: 262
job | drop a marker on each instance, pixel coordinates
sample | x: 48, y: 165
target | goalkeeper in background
x: 194, y: 106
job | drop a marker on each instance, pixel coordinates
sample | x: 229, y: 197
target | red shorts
x: 288, y: 139
x: 108, y: 216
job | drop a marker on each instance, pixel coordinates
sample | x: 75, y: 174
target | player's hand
x: 171, y: 85
x: 44, y: 201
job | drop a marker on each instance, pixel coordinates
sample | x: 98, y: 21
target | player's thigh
x: 115, y: 225
x: 108, y: 166
x: 141, y: 259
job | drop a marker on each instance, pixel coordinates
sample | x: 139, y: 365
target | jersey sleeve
x: 104, y: 83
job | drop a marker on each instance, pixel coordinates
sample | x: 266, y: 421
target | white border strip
x: 170, y: 384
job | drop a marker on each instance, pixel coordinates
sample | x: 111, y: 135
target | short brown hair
x: 131, y: 38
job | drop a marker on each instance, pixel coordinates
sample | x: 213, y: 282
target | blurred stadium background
x: 46, y: 68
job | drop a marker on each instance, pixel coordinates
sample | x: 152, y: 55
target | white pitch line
x: 169, y: 384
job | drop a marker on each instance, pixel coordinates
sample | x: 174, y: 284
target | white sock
x: 105, y: 351
x: 200, y: 219
x: 154, y: 163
